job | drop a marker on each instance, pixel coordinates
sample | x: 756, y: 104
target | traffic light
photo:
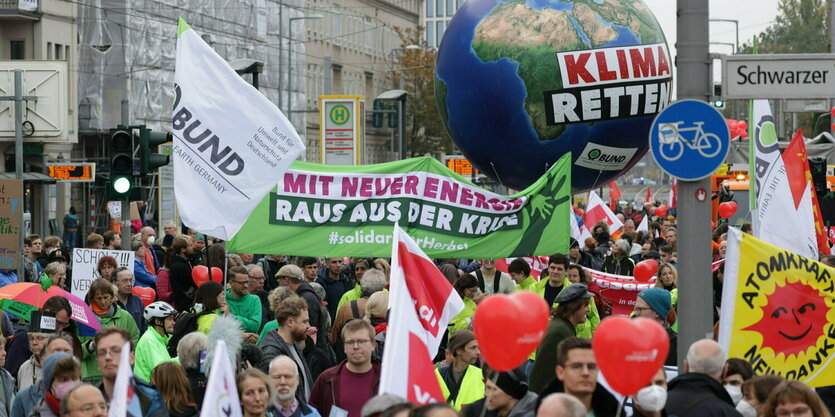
x: 121, y: 162
x: 394, y: 116
x: 376, y: 115
x: 148, y: 142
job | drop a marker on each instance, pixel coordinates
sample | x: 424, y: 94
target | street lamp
x: 391, y: 55
x: 736, y: 23
x: 290, y: 62
x: 400, y: 97
x: 248, y: 66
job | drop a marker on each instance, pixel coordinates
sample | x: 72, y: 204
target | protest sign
x: 778, y: 311
x: 84, y: 262
x: 349, y: 211
x: 11, y: 208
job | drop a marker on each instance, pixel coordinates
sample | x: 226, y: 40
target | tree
x: 800, y: 27
x: 425, y: 132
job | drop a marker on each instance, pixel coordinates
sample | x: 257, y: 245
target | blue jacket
x: 143, y: 277
x: 334, y: 288
x: 7, y: 277
x: 136, y: 310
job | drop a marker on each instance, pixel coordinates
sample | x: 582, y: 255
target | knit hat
x: 658, y: 299
x: 512, y: 384
x: 459, y: 339
x: 573, y: 243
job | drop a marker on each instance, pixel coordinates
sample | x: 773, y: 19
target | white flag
x: 767, y: 161
x: 644, y: 226
x: 125, y: 402
x: 221, y: 399
x: 422, y: 304
x: 598, y: 211
x: 231, y: 144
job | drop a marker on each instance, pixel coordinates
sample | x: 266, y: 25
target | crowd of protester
x: 308, y: 334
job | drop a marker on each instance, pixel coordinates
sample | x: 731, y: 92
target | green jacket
x: 90, y: 371
x: 271, y: 325
x: 471, y: 390
x: 349, y: 296
x: 151, y: 351
x: 246, y: 309
x: 526, y: 284
x: 543, y: 370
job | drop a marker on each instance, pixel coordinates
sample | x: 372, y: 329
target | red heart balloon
x: 200, y: 274
x: 727, y: 209
x: 217, y: 275
x: 146, y: 294
x: 644, y: 270
x: 629, y: 362
x: 661, y: 211
x: 509, y: 327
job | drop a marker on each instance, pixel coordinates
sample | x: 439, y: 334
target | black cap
x: 58, y: 255
x: 573, y: 292
x: 573, y: 243
x: 652, y: 255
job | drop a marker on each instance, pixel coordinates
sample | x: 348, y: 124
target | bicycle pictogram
x: 672, y: 140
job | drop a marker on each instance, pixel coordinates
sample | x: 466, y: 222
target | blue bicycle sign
x: 673, y: 141
x: 689, y: 140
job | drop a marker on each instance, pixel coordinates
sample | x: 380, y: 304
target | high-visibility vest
x: 472, y: 388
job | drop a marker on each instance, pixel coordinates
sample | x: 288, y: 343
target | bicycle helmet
x: 158, y: 310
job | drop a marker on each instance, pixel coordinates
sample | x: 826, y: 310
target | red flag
x: 649, y: 195
x: 597, y: 211
x: 421, y: 302
x: 673, y: 192
x: 796, y: 162
x: 614, y: 195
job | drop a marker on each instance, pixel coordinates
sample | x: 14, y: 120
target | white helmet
x: 159, y: 309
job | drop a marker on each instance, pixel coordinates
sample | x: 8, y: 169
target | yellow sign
x: 778, y: 311
x: 73, y: 172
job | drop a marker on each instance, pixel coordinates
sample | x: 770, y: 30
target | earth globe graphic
x: 519, y: 83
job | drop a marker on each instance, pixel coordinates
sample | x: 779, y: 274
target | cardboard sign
x: 11, y: 208
x: 84, y: 262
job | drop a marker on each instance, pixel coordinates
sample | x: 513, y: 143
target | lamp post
x: 248, y: 66
x: 391, y: 54
x: 736, y: 23
x: 290, y: 62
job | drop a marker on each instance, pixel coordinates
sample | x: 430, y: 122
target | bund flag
x: 422, y: 303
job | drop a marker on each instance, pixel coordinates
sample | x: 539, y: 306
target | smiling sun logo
x: 793, y: 319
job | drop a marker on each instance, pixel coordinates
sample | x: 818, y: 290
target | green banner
x: 325, y: 210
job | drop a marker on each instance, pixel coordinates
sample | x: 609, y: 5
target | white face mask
x: 151, y: 239
x: 735, y: 391
x: 651, y: 398
x: 746, y: 409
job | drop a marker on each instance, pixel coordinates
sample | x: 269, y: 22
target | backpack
x: 497, y: 279
x: 186, y: 323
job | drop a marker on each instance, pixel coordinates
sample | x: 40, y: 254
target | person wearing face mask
x: 650, y: 400
x: 756, y: 391
x: 61, y: 374
x: 148, y: 237
x: 142, y: 277
x: 739, y: 371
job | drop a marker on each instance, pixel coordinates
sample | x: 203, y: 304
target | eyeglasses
x: 257, y: 278
x: 640, y: 310
x: 799, y: 412
x: 89, y: 408
x: 61, y: 324
x: 102, y: 353
x: 578, y: 367
x: 358, y: 342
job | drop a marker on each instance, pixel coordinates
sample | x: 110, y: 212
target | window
x: 430, y: 8
x: 58, y: 51
x: 49, y: 50
x: 17, y: 49
x: 440, y: 31
x: 450, y: 7
x: 439, y: 9
x: 430, y: 34
x: 369, y: 84
x: 337, y: 79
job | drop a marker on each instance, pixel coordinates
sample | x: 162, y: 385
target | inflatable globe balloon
x: 520, y: 83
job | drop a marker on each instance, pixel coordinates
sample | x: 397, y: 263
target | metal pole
x: 125, y: 232
x: 18, y: 159
x: 401, y: 110
x: 695, y: 306
x: 831, y: 49
x: 280, y: 53
x: 290, y: 71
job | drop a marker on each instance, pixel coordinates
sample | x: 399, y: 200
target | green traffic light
x: 121, y: 185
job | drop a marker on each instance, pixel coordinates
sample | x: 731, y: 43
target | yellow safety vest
x: 472, y: 387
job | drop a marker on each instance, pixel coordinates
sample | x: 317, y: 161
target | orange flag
x: 614, y: 195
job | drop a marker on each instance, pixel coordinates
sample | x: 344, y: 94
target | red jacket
x: 325, y: 390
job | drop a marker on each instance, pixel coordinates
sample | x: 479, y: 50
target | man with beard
x: 293, y: 323
x: 179, y: 268
x: 285, y: 376
x: 112, y: 240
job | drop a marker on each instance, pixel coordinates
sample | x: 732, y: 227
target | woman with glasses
x: 257, y: 394
x: 794, y: 399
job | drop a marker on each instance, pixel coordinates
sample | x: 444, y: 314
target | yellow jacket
x: 472, y: 388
